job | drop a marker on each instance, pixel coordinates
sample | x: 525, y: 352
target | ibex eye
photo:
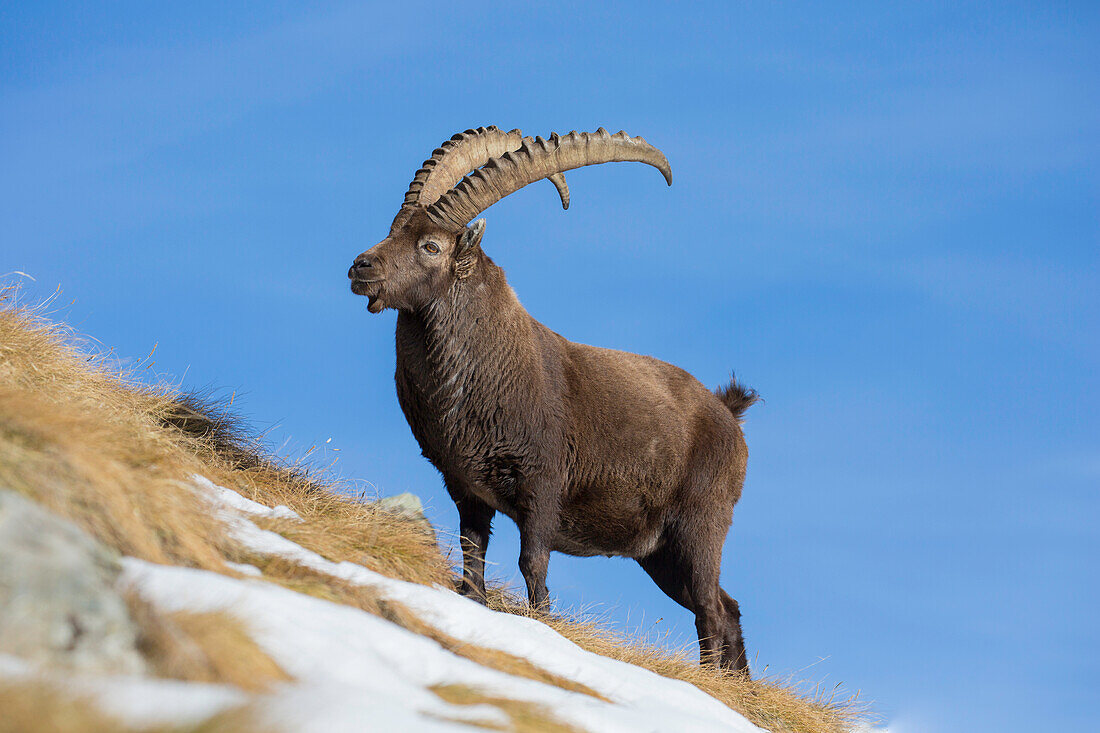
x: 431, y: 248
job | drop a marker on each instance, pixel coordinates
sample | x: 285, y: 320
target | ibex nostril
x: 362, y: 266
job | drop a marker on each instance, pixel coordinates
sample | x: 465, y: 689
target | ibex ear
x: 471, y: 238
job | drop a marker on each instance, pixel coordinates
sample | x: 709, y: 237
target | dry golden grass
x: 778, y: 705
x: 767, y: 703
x: 525, y: 717
x: 38, y: 707
x: 202, y: 647
x: 96, y: 445
x: 344, y: 529
x: 89, y: 446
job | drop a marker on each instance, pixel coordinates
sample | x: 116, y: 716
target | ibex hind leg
x: 689, y: 576
x: 733, y: 653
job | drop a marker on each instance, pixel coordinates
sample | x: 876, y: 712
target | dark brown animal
x: 590, y: 451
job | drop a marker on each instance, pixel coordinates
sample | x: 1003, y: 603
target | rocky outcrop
x: 408, y: 506
x: 59, y: 599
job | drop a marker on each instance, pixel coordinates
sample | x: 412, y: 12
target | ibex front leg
x: 475, y: 519
x: 540, y: 506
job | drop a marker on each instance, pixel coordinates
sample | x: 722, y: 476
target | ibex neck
x: 477, y: 304
x: 478, y: 334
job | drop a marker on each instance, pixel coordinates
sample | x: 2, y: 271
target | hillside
x: 160, y: 570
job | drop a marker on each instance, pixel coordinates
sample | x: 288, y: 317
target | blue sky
x: 884, y: 219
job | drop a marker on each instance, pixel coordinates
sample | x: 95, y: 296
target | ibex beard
x: 589, y: 451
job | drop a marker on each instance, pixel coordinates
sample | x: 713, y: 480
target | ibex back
x: 589, y: 451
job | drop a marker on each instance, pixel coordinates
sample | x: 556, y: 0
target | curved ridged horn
x: 463, y: 153
x: 536, y: 159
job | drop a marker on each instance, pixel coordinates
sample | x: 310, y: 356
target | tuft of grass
x: 342, y: 529
x: 335, y: 525
x: 525, y: 717
x: 35, y: 706
x: 781, y: 706
x: 89, y: 446
x: 92, y: 443
x: 202, y: 647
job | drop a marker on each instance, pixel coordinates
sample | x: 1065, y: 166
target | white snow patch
x: 331, y: 647
x: 245, y: 569
x: 356, y: 662
x: 224, y: 498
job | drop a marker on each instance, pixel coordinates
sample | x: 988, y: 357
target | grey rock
x: 406, y: 505
x: 59, y: 599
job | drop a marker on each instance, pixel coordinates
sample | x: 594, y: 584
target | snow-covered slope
x: 355, y: 671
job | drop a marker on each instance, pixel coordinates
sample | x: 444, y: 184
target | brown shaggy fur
x: 590, y: 451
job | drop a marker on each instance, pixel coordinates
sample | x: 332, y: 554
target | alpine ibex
x: 590, y: 451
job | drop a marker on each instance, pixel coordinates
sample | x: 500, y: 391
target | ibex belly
x: 622, y: 515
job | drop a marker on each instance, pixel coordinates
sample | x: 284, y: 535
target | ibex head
x: 418, y: 262
x: 430, y: 247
